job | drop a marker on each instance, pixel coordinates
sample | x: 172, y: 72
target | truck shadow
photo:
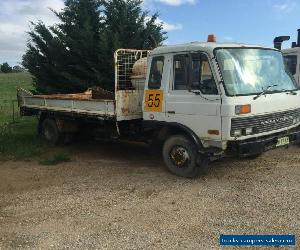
x: 135, y: 156
x: 118, y: 151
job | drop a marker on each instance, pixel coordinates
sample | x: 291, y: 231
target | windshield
x: 248, y: 71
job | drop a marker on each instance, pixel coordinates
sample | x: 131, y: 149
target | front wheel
x: 181, y: 157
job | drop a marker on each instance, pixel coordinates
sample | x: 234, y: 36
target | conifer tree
x: 77, y: 53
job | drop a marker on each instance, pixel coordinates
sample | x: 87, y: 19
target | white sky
x: 15, y: 16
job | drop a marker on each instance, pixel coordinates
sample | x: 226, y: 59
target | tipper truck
x: 197, y: 102
x: 291, y: 55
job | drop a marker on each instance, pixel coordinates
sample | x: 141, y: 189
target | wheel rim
x: 48, y: 132
x: 179, y: 156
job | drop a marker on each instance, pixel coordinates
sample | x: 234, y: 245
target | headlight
x: 237, y: 132
x: 248, y: 131
x: 296, y: 120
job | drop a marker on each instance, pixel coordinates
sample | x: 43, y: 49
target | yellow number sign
x: 154, y: 100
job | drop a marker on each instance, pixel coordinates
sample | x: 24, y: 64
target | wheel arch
x: 168, y: 129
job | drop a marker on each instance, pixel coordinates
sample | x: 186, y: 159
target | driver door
x: 193, y: 99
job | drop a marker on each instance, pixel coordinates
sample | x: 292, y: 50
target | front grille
x: 265, y: 123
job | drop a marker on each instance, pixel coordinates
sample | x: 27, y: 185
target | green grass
x: 18, y: 135
x: 56, y: 159
x: 8, y: 94
x: 19, y: 140
x: 10, y: 82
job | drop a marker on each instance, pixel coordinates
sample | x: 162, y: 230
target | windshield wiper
x: 287, y: 91
x: 265, y: 91
x: 292, y: 92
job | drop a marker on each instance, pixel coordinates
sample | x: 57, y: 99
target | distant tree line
x: 6, y: 68
x: 77, y: 52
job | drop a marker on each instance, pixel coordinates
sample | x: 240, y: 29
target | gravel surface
x: 119, y: 196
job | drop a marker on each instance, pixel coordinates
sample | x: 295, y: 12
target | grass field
x: 8, y: 86
x: 18, y: 135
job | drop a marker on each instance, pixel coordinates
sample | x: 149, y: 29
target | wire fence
x: 8, y: 116
x: 9, y: 111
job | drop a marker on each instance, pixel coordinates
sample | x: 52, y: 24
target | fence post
x: 13, y: 111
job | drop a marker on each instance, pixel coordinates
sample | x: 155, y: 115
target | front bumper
x: 261, y: 144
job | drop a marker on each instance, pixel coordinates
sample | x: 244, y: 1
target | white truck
x: 196, y: 101
x: 291, y: 55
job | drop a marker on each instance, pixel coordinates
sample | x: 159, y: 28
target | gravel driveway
x: 119, y: 196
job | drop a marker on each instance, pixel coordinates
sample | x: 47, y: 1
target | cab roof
x: 291, y: 50
x: 203, y: 46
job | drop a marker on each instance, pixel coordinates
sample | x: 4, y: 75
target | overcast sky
x: 247, y: 21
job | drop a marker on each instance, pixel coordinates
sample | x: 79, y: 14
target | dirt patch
x: 119, y: 196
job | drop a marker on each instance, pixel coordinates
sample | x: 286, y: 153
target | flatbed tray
x: 82, y: 103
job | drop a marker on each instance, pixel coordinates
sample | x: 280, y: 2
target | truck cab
x: 228, y: 99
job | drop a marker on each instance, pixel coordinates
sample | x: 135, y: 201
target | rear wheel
x: 181, y: 157
x: 51, y: 132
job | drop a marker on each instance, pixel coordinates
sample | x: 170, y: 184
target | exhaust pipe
x: 280, y: 39
x: 297, y: 44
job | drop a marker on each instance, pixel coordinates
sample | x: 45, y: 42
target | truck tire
x: 181, y: 157
x: 51, y: 132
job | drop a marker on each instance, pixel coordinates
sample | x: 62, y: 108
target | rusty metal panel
x: 129, y: 105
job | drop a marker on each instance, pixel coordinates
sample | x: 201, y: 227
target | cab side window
x: 291, y: 64
x: 156, y: 72
x: 201, y: 75
x: 180, y: 72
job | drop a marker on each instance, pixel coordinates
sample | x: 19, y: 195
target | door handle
x: 171, y: 112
